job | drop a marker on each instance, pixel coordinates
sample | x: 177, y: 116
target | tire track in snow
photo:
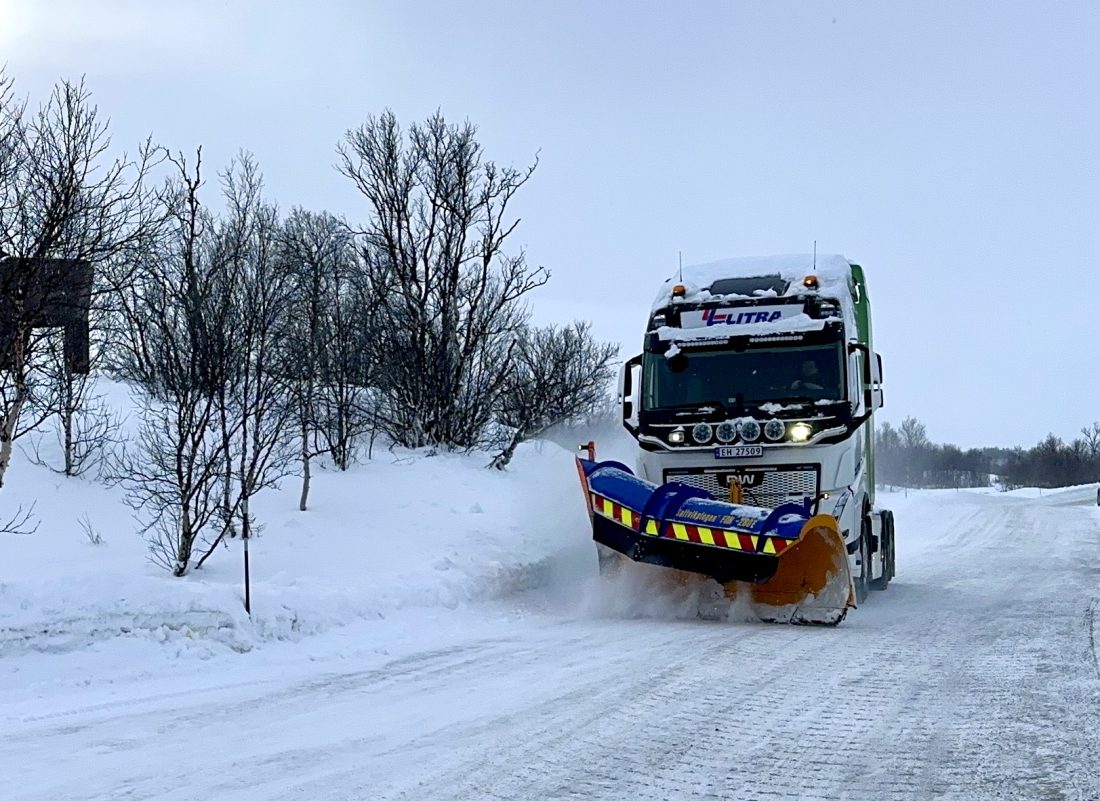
x: 1090, y: 625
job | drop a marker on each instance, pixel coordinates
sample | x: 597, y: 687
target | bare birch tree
x: 311, y: 244
x: 255, y: 408
x: 63, y: 201
x: 174, y: 314
x: 559, y: 374
x: 434, y: 249
x: 84, y: 424
x: 201, y: 335
x: 328, y: 343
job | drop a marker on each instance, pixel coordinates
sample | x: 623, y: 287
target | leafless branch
x: 22, y: 522
x: 90, y: 532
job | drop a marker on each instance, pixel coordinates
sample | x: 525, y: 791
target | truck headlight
x: 676, y: 436
x: 775, y: 429
x: 702, y: 432
x: 800, y: 432
x: 726, y: 432
x: 750, y: 430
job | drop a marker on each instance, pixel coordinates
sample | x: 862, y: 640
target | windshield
x: 754, y: 376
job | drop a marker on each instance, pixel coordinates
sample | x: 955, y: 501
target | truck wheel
x: 863, y: 580
x: 893, y: 544
x: 886, y: 552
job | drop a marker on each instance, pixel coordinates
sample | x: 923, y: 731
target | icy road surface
x: 973, y: 677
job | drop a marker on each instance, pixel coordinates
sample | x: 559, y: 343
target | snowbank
x: 405, y: 530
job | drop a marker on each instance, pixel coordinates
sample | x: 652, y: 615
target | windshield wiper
x: 696, y: 407
x: 802, y: 399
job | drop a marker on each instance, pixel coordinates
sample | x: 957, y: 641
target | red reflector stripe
x: 619, y: 513
x: 732, y: 540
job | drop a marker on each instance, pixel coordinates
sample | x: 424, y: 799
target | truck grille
x: 763, y: 486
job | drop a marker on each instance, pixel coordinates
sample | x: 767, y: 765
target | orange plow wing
x: 813, y: 583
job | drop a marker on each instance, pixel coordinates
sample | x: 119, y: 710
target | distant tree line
x: 259, y: 341
x: 906, y: 457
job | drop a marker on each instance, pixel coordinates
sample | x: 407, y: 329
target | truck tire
x: 863, y: 580
x: 889, y: 519
x: 887, y: 546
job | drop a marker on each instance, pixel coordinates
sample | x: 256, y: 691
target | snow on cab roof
x: 833, y: 272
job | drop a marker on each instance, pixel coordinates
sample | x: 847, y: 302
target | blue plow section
x: 796, y: 561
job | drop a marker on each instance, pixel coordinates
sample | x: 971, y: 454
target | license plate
x: 738, y: 451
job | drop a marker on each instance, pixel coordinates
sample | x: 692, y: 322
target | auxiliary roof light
x: 679, y: 291
x: 810, y: 282
x: 750, y: 430
x: 800, y: 432
x: 775, y: 429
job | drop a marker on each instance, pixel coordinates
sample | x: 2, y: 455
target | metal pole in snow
x: 247, y: 586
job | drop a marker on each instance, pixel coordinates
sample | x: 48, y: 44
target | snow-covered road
x: 974, y: 676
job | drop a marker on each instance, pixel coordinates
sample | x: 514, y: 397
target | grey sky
x: 952, y: 148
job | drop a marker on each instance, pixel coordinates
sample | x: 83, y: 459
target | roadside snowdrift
x: 403, y: 530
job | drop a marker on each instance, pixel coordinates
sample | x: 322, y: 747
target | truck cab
x: 758, y: 384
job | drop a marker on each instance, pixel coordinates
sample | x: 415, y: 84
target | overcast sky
x: 951, y: 148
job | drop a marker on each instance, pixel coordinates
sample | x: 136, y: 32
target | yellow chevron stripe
x: 651, y: 527
x: 679, y: 530
x: 628, y: 518
x: 769, y: 546
x: 754, y: 539
x: 608, y: 508
x: 731, y: 540
x: 705, y: 536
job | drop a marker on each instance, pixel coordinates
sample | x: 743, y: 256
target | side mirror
x: 859, y: 347
x: 880, y: 396
x: 627, y: 395
x: 872, y: 367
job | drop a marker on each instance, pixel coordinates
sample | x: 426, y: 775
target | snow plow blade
x: 792, y: 564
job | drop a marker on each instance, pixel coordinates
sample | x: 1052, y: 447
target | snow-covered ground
x: 402, y: 530
x: 434, y: 630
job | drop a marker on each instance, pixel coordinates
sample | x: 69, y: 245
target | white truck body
x: 726, y: 341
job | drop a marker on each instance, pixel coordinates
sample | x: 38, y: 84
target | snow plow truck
x: 752, y: 406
